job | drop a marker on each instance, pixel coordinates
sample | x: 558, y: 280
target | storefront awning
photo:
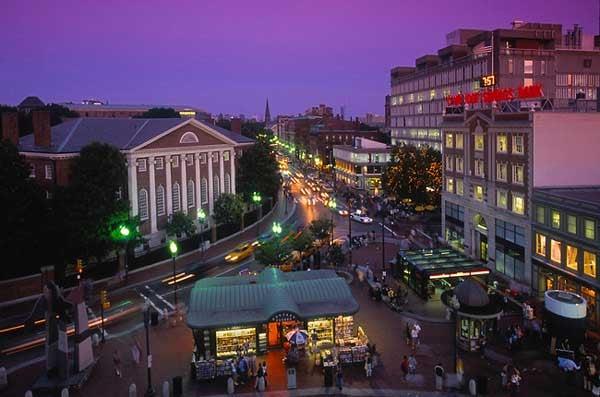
x: 443, y: 263
x: 219, y: 302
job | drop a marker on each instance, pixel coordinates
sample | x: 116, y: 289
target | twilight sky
x: 229, y: 55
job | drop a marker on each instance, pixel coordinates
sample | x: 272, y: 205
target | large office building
x: 493, y: 160
x: 566, y: 65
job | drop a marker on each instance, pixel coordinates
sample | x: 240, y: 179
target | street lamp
x: 149, y: 390
x: 201, y: 220
x: 125, y: 232
x: 349, y: 203
x: 256, y: 199
x: 383, y: 243
x: 332, y: 206
x: 173, y: 248
x: 276, y: 229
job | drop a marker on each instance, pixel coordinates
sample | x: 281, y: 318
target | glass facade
x: 510, y: 250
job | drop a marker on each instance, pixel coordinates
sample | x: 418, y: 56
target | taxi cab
x: 240, y: 252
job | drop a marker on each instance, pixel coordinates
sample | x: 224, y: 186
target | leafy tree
x: 229, y: 209
x: 414, y: 173
x: 273, y: 252
x: 252, y: 128
x: 320, y: 228
x: 181, y: 224
x: 303, y: 242
x: 336, y: 256
x: 160, y: 113
x: 258, y: 172
x: 23, y: 211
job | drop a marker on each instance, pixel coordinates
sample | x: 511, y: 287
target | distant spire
x: 267, y: 113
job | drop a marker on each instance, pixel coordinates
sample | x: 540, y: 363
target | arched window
x: 189, y: 137
x: 176, y: 197
x: 191, y: 195
x: 216, y: 191
x: 227, y: 183
x: 160, y: 200
x: 143, y: 204
x: 204, y: 191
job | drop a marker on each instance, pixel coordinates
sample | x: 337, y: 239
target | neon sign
x: 496, y: 95
x: 487, y: 81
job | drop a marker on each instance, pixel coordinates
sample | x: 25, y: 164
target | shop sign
x: 283, y: 316
x: 496, y: 95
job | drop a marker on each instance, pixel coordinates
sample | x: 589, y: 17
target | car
x: 360, y: 218
x: 240, y: 252
x: 310, y: 200
x: 343, y: 212
x: 263, y: 238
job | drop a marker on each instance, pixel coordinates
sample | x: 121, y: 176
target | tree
x: 181, y: 224
x: 258, y: 172
x: 414, y: 173
x: 336, y: 256
x: 303, y: 242
x: 160, y: 113
x: 224, y: 123
x: 273, y: 252
x: 229, y: 209
x: 320, y: 228
x: 252, y: 128
x: 23, y: 210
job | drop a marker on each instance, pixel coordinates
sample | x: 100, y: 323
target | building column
x: 152, y: 200
x: 210, y: 184
x: 183, y: 189
x: 169, y: 186
x: 232, y: 173
x: 197, y: 181
x: 132, y: 185
x: 221, y: 173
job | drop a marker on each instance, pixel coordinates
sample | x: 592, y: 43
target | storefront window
x: 540, y: 244
x: 324, y: 329
x: 572, y: 258
x: 555, y: 219
x: 555, y: 251
x: 230, y: 341
x: 590, y: 229
x: 589, y: 263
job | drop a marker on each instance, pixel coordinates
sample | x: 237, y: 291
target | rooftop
x: 131, y: 107
x: 582, y: 194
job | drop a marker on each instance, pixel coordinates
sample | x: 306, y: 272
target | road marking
x: 146, y: 299
x: 160, y: 297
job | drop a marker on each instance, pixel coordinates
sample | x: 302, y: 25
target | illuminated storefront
x: 361, y: 165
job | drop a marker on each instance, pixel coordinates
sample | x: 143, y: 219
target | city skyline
x: 228, y: 58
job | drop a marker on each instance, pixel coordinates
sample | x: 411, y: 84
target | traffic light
x: 79, y: 268
x: 104, y: 299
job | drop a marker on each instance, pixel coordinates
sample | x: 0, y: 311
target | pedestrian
x: 407, y: 333
x: 259, y: 384
x: 339, y: 378
x: 504, y: 376
x: 412, y: 364
x: 440, y: 375
x: 414, y: 334
x: 314, y: 338
x: 264, y: 366
x: 136, y: 351
x: 368, y: 365
x: 589, y: 371
x: 515, y: 382
x: 404, y: 367
x: 596, y: 385
x: 117, y: 363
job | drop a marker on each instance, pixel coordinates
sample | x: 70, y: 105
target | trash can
x: 153, y: 318
x: 291, y: 378
x: 177, y: 386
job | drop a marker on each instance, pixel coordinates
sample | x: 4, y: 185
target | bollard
x: 64, y: 392
x: 132, y: 390
x: 3, y: 378
x: 166, y: 391
x: 28, y: 393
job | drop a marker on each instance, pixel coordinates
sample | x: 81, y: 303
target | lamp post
x: 276, y: 229
x: 201, y: 220
x: 349, y: 203
x: 125, y: 232
x: 331, y: 206
x: 173, y: 248
x: 149, y: 390
x: 383, y: 242
x: 256, y: 199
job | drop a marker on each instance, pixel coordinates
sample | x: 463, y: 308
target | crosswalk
x: 156, y: 300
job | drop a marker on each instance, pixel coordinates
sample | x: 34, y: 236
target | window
x: 540, y: 214
x: 176, y: 197
x: 455, y: 211
x: 216, y: 187
x: 449, y: 140
x: 572, y: 258
x: 143, y: 204
x: 227, y: 182
x: 518, y: 177
x: 501, y: 171
x: 543, y: 68
x: 459, y: 141
x: 225, y: 156
x: 460, y: 190
x: 142, y: 165
x: 189, y: 137
x: 510, y: 67
x: 175, y: 161
x: 48, y: 171
x: 555, y: 218
x: 191, y: 195
x: 510, y: 232
x: 518, y: 144
x: 203, y: 158
x: 555, y: 251
x: 501, y: 198
x: 32, y: 171
x: 528, y: 66
x: 215, y: 157
x: 189, y: 159
x: 572, y: 224
x: 460, y: 167
x: 160, y: 200
x: 479, y: 168
x: 518, y: 204
x: 449, y: 163
x: 501, y: 143
x: 540, y: 244
x: 204, y: 191
x: 159, y: 163
x: 589, y: 227
x: 527, y: 81
x: 450, y: 185
x: 478, y: 192
x: 589, y: 263
x: 479, y: 142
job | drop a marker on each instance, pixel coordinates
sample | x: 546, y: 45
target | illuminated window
x: 540, y: 214
x: 501, y: 143
x: 572, y: 258
x: 143, y: 204
x: 460, y: 190
x: 449, y: 163
x: 555, y: 217
x: 479, y: 167
x: 589, y: 263
x: 528, y: 66
x: 518, y: 204
x: 459, y: 141
x: 501, y: 171
x: 501, y: 198
x: 478, y: 192
x: 589, y: 227
x: 460, y: 167
x: 49, y: 172
x: 479, y: 142
x: 432, y: 95
x: 527, y: 81
x: 518, y: 177
x: 540, y: 244
x: 555, y: 251
x: 450, y: 185
x: 572, y: 224
x: 226, y: 156
x: 518, y: 144
x: 449, y: 140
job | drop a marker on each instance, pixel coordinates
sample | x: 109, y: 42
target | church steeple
x: 267, y: 113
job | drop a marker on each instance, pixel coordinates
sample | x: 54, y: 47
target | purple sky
x: 228, y: 56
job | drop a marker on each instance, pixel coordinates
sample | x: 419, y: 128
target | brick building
x: 173, y: 164
x: 91, y: 108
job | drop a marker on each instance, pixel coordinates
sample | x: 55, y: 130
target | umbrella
x: 297, y: 336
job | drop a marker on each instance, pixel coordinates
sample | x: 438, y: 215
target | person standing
x: 368, y: 365
x: 407, y: 333
x: 314, y: 338
x: 339, y: 378
x: 117, y: 363
x: 264, y: 366
x: 440, y: 374
x: 414, y: 334
x: 404, y: 367
x: 260, y: 379
x: 136, y: 351
x: 412, y: 364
